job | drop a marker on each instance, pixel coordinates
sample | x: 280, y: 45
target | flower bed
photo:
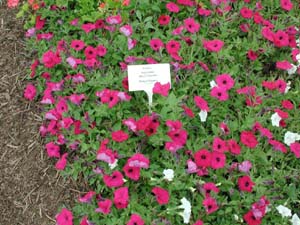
x: 218, y: 145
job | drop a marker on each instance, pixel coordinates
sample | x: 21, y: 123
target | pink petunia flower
x: 132, y: 173
x: 65, y: 217
x: 172, y: 7
x: 104, y: 206
x: 295, y: 148
x: 218, y: 160
x: 219, y: 93
x: 248, y: 139
x: 135, y: 219
x: 203, y: 158
x: 62, y: 162
x: 191, y: 25
x: 30, y: 92
x: 286, y: 5
x: 162, y: 89
x: 225, y: 81
x: 162, y: 195
x: 210, y: 205
x: 156, y: 44
x: 138, y: 160
x: 121, y: 198
x: 51, y: 59
x: 87, y: 198
x: 164, y: 20
x: 114, y: 19
x: 77, y: 45
x: 213, y: 45
x: 53, y: 150
x: 126, y: 30
x: 114, y: 180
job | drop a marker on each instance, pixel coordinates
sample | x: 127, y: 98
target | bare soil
x: 31, y: 191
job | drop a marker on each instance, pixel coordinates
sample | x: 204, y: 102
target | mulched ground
x: 31, y: 191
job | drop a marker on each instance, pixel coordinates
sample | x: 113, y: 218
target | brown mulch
x: 31, y: 191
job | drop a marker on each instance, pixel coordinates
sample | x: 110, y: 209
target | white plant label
x: 143, y: 77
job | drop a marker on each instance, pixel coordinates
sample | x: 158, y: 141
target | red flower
x: 65, y: 217
x: 225, y: 81
x: 245, y: 183
x: 162, y: 89
x: 213, y: 45
x: 203, y: 158
x: 90, y: 52
x: 219, y: 145
x: 138, y: 160
x: 248, y: 139
x: 191, y: 25
x: 77, y: 45
x: 188, y: 111
x: 210, y: 205
x: 30, y: 92
x: 162, y: 195
x: 104, y: 206
x: 156, y: 44
x: 286, y: 5
x: 87, y: 198
x: 115, y: 180
x: 219, y: 93
x: 218, y: 160
x: 164, y: 20
x: 172, y: 7
x: 51, y: 59
x: 132, y: 172
x: 135, y: 219
x: 295, y: 148
x: 119, y: 136
x: 173, y: 46
x: 234, y: 147
x: 250, y: 218
x: 246, y: 13
x: 121, y: 197
x: 201, y: 103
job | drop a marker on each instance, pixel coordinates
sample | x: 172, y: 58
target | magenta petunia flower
x: 119, y: 136
x: 51, y: 59
x: 113, y: 180
x: 210, y: 205
x: 104, y: 206
x: 248, y: 139
x: 138, y: 160
x: 286, y: 5
x: 245, y: 184
x: 126, y: 30
x: 218, y: 160
x: 162, y: 89
x: 219, y: 93
x: 114, y: 19
x: 172, y: 7
x: 213, y: 45
x: 65, y: 217
x: 156, y: 44
x: 173, y: 46
x: 246, y: 13
x: 62, y: 162
x: 162, y: 195
x: 121, y: 198
x: 87, y: 198
x: 30, y: 92
x: 135, y: 219
x: 77, y: 45
x: 132, y: 172
x: 203, y: 158
x: 53, y: 150
x: 164, y: 20
x: 191, y: 25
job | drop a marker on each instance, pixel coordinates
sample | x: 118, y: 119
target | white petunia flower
x: 298, y: 58
x: 295, y: 220
x: 275, y: 118
x: 284, y: 211
x: 187, y: 209
x: 288, y: 87
x: 169, y: 174
x: 203, y: 115
x: 212, y: 84
x: 113, y: 165
x: 291, y: 137
x: 292, y: 70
